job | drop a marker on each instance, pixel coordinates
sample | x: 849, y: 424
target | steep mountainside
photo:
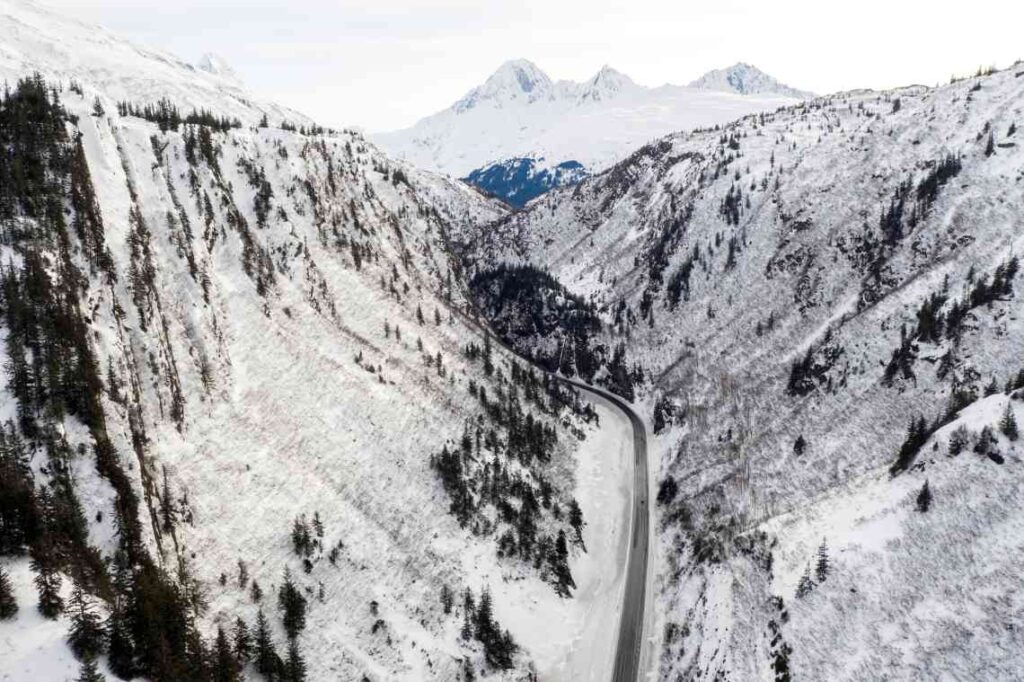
x: 800, y: 286
x: 238, y: 356
x: 519, y: 181
x: 519, y: 112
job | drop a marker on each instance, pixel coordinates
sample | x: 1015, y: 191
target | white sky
x: 383, y: 64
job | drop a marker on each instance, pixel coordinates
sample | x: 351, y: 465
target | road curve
x: 629, y: 650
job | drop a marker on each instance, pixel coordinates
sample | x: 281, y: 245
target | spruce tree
x: 292, y: 604
x: 1008, y: 424
x: 120, y: 646
x: 48, y: 583
x: 8, y: 604
x: 89, y: 672
x: 488, y: 360
x: 799, y: 445
x: 559, y: 560
x: 242, y: 641
x: 805, y: 585
x: 924, y: 498
x: 821, y: 567
x: 485, y: 617
x: 446, y: 599
x: 266, y: 658
x: 576, y: 520
x: 295, y: 666
x: 225, y: 665
x: 86, y: 637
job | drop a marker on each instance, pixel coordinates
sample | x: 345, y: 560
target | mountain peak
x: 606, y: 84
x: 746, y: 79
x: 216, y: 65
x: 515, y: 80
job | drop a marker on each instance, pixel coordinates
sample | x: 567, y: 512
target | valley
x: 568, y: 381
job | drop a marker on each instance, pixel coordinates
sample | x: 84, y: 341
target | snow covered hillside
x: 34, y: 38
x: 519, y: 112
x: 242, y: 381
x: 820, y: 298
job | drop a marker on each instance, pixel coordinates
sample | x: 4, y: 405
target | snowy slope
x: 520, y: 112
x: 36, y: 38
x: 746, y: 79
x: 244, y: 311
x: 780, y: 281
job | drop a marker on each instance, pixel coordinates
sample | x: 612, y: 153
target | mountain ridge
x: 826, y: 301
x: 520, y: 112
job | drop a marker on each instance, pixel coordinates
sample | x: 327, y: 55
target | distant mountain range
x: 519, y: 112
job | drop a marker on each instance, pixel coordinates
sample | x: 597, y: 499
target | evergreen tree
x: 120, y: 646
x: 47, y: 582
x: 242, y: 641
x: 1008, y: 424
x: 990, y: 146
x: 484, y: 617
x: 295, y: 666
x: 924, y: 498
x: 167, y: 511
x: 576, y: 520
x: 467, y: 626
x: 292, y: 604
x: 446, y: 599
x: 8, y: 604
x: 86, y: 637
x: 821, y: 567
x: 488, y: 360
x: 266, y: 659
x: 559, y: 561
x: 89, y: 672
x: 799, y: 445
x: 256, y: 592
x: 805, y: 585
x: 225, y: 665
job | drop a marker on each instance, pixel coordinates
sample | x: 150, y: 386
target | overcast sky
x: 383, y: 64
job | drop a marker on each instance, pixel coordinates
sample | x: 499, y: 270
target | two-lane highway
x: 629, y: 650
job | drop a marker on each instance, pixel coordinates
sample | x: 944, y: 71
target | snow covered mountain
x: 243, y: 388
x: 826, y: 302
x: 519, y: 112
x: 34, y: 38
x: 746, y: 79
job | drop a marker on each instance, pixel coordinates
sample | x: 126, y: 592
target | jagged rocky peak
x: 746, y: 79
x: 515, y: 80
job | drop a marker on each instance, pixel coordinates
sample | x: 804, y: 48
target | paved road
x: 628, y: 652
